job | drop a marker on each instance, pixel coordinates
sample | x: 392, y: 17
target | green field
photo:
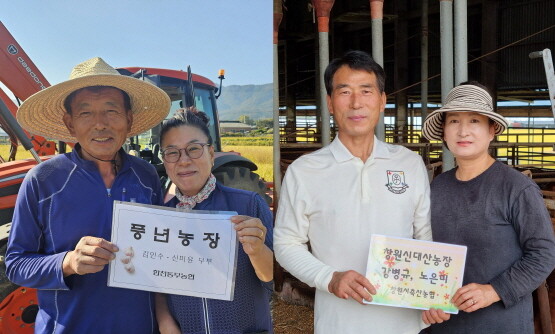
x: 259, y: 149
x: 248, y: 141
x: 21, y: 153
x: 260, y: 155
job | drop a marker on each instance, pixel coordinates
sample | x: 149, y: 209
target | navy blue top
x: 249, y: 312
x: 60, y: 201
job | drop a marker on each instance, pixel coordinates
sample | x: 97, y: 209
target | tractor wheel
x: 18, y: 305
x: 242, y: 178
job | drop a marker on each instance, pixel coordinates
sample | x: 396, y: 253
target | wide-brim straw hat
x: 42, y: 112
x: 463, y: 98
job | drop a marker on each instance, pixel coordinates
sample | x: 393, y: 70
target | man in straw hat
x: 61, y: 226
x: 339, y: 195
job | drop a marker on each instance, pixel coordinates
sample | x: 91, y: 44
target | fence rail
x: 520, y: 147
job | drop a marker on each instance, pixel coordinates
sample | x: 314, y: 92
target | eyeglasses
x: 193, y: 151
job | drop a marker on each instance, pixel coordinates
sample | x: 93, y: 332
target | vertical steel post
x: 424, y: 62
x: 323, y: 10
x: 278, y: 15
x: 446, y: 37
x: 400, y: 69
x: 549, y: 73
x: 461, y: 41
x: 376, y: 15
x: 324, y: 60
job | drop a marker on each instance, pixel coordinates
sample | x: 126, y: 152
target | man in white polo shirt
x: 336, y: 197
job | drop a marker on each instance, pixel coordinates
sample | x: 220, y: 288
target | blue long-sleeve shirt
x: 249, y: 311
x: 61, y: 201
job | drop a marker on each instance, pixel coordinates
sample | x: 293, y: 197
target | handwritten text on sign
x: 415, y: 273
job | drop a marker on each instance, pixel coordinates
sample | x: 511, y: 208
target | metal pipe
x: 323, y: 61
x: 18, y: 130
x: 446, y: 38
x: 549, y: 73
x: 400, y: 69
x: 376, y: 15
x: 323, y: 10
x: 461, y: 41
x: 278, y: 15
x: 424, y: 62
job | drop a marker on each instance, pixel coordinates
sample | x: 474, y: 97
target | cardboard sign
x: 414, y: 273
x: 171, y: 251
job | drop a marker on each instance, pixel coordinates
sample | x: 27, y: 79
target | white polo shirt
x: 336, y: 201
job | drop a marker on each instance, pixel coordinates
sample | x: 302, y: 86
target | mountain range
x: 255, y: 101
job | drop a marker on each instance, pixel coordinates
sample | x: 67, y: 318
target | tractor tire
x: 242, y: 178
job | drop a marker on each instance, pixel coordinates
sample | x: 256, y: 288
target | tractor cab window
x: 204, y: 102
x: 147, y: 143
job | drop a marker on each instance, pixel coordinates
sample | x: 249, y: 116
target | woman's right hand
x: 434, y: 316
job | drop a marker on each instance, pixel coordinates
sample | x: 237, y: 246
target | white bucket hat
x: 42, y: 112
x: 463, y: 98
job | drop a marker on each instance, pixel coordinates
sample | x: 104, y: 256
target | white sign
x: 415, y: 273
x: 171, y: 251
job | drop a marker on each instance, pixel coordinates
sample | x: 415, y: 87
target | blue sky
x: 235, y: 35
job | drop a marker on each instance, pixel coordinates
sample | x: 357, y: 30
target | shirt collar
x: 342, y: 154
x: 89, y: 165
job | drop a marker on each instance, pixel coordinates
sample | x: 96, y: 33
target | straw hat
x: 463, y: 98
x: 42, y: 112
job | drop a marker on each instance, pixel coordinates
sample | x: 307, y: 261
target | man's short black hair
x: 356, y: 60
x: 96, y: 89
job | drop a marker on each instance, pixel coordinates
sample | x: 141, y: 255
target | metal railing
x: 520, y: 147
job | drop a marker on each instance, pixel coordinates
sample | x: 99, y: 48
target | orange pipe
x: 376, y: 9
x: 323, y: 10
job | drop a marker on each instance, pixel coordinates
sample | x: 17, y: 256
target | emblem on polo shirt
x: 396, y: 182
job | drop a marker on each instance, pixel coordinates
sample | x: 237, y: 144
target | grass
x: 21, y: 153
x: 259, y: 149
x: 266, y: 140
x: 262, y: 156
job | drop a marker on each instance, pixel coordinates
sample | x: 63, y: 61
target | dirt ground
x: 295, y: 319
x: 291, y: 319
